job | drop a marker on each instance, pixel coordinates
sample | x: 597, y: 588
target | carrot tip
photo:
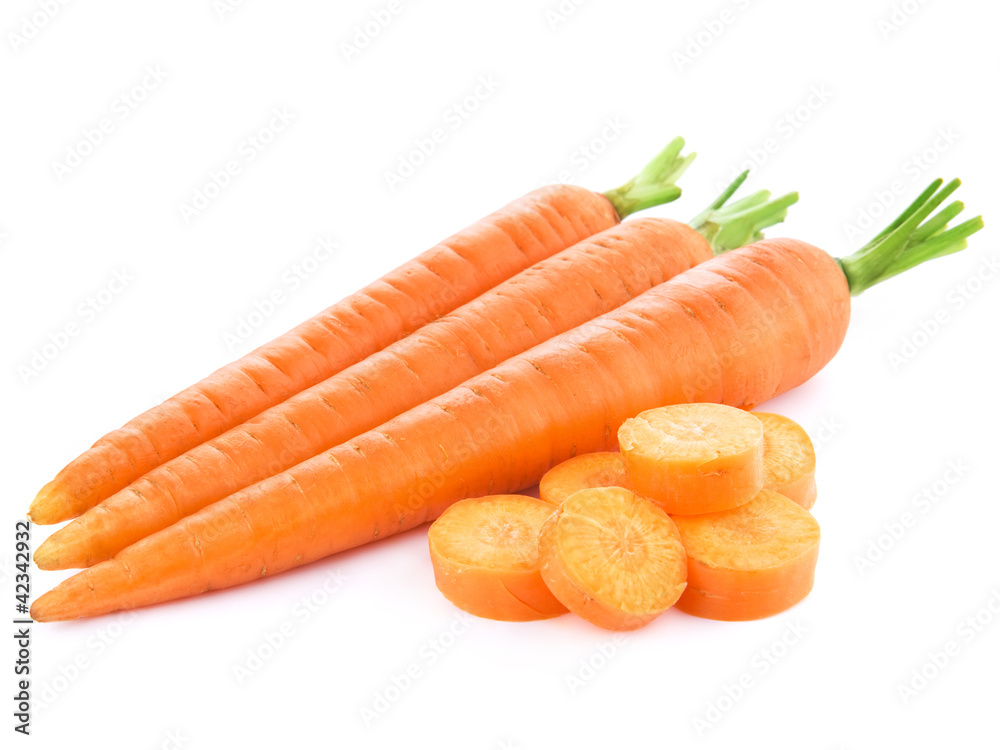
x: 49, y: 508
x: 40, y: 610
x: 46, y: 557
x: 70, y: 600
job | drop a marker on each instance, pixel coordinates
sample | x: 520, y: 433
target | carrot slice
x: 749, y: 562
x: 789, y: 459
x: 694, y: 458
x: 613, y: 558
x: 485, y: 556
x: 584, y: 472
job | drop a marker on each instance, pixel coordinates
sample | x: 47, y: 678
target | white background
x: 886, y: 432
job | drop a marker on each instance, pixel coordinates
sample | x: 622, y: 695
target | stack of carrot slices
x: 705, y: 507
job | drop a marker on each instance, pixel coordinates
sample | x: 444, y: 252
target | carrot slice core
x: 613, y: 558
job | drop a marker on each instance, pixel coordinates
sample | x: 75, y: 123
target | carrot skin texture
x: 593, y: 277
x: 771, y: 592
x: 499, y: 431
x: 802, y: 491
x: 529, y: 229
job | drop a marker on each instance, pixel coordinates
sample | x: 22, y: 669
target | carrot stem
x: 740, y: 223
x: 655, y: 184
x: 911, y: 239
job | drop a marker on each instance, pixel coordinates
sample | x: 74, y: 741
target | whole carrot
x: 555, y: 295
x: 536, y: 226
x: 738, y: 329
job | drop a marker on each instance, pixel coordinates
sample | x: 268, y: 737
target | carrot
x: 485, y: 556
x: 694, y: 458
x: 536, y: 226
x: 748, y: 562
x: 613, y: 558
x: 785, y: 307
x: 589, y: 471
x: 553, y: 296
x: 789, y: 459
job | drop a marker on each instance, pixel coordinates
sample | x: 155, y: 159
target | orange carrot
x: 749, y: 562
x: 613, y: 558
x: 587, y: 280
x: 537, y: 226
x: 557, y: 294
x: 694, y: 458
x: 589, y: 471
x: 786, y: 306
x: 485, y: 556
x: 789, y: 459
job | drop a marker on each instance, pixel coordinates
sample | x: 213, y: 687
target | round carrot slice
x: 694, y: 458
x: 749, y: 562
x: 789, y: 459
x: 485, y: 556
x: 583, y: 472
x: 612, y: 558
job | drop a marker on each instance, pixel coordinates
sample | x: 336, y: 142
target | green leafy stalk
x: 655, y: 184
x: 740, y: 223
x: 911, y: 239
x: 719, y: 202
